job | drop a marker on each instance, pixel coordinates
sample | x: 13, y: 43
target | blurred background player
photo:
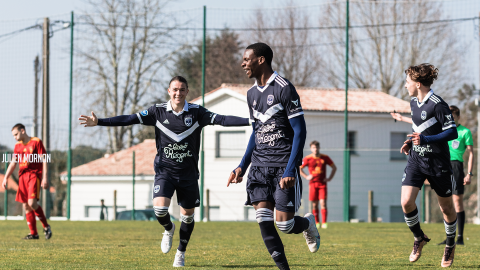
x: 103, y: 210
x: 29, y: 175
x: 274, y: 148
x: 177, y: 136
x: 457, y: 147
x: 433, y: 126
x: 317, y: 168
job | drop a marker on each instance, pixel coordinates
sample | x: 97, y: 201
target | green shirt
x: 458, y: 146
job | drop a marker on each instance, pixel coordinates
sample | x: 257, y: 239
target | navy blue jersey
x: 270, y: 108
x: 431, y: 117
x: 177, y: 138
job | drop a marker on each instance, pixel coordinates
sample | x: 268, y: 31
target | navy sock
x: 460, y: 224
x: 295, y: 225
x: 412, y: 221
x: 186, y: 229
x: 270, y: 236
x: 450, y: 229
x: 163, y: 217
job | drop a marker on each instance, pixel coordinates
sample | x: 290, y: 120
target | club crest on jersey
x: 156, y: 189
x: 270, y: 99
x: 188, y: 120
x: 455, y: 144
x: 144, y: 113
x: 424, y: 115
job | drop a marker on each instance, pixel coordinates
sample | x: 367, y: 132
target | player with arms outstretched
x: 29, y: 175
x: 177, y: 135
x: 274, y: 148
x: 433, y: 126
x: 317, y: 177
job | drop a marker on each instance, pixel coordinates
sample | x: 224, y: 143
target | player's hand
x: 287, y: 182
x: 235, y: 177
x: 415, y: 138
x: 397, y: 116
x: 88, y: 121
x: 466, y: 180
x: 45, y: 184
x: 309, y: 177
x: 405, y: 147
x: 4, y: 183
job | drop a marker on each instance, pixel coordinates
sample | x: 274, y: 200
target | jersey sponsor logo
x: 423, y: 115
x: 270, y: 99
x: 176, y: 152
x: 144, y: 113
x: 188, y: 120
x: 295, y: 102
x: 422, y: 149
x: 270, y: 139
x: 156, y: 189
x: 455, y: 144
x: 166, y: 122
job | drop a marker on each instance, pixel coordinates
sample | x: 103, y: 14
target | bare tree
x: 292, y: 59
x: 123, y: 54
x: 386, y: 38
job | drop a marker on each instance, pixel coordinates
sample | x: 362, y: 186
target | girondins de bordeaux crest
x: 188, y: 120
x: 270, y: 99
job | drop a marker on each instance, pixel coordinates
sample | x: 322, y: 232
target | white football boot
x: 167, y: 239
x: 311, y: 234
x: 179, y: 259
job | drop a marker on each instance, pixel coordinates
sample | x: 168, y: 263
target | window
x: 230, y: 143
x: 396, y: 142
x: 352, y: 142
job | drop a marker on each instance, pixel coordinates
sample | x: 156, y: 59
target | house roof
x: 120, y: 163
x: 11, y: 184
x: 333, y: 99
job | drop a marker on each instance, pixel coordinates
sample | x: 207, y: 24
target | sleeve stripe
x: 295, y: 115
x: 213, y: 118
x: 449, y: 126
x: 139, y: 118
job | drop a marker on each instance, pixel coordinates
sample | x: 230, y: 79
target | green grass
x: 224, y: 245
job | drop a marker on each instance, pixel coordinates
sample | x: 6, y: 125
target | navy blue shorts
x: 444, y: 184
x: 263, y: 184
x: 188, y: 196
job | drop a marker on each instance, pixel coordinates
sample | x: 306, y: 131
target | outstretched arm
x: 400, y: 117
x: 237, y: 175
x: 300, y: 134
x: 229, y: 121
x: 121, y: 120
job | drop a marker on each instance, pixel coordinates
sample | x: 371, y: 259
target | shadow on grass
x: 269, y: 266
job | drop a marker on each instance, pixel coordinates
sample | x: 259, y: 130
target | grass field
x: 224, y: 245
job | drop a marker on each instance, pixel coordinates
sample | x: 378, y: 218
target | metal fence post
x: 202, y: 152
x: 69, y: 159
x: 346, y: 153
x: 133, y: 186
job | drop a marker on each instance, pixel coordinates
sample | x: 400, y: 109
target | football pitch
x: 225, y: 245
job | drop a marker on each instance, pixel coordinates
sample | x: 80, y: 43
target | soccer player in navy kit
x: 433, y: 127
x: 274, y: 148
x: 177, y: 135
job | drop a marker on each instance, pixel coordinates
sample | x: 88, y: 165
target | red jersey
x: 317, y: 166
x: 29, y: 155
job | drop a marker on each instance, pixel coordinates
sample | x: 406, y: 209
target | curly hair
x: 424, y: 73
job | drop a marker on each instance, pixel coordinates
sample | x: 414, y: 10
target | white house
x: 373, y: 134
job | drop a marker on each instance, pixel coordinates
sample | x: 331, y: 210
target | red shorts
x: 28, y: 187
x: 317, y: 191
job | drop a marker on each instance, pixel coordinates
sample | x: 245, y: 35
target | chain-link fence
x: 124, y: 56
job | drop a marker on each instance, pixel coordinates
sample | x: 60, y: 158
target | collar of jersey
x: 430, y: 93
x: 271, y: 79
x: 169, y: 108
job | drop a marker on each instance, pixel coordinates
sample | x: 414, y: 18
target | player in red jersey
x: 28, y: 153
x: 317, y: 168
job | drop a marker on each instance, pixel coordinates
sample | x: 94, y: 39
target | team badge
x: 424, y: 115
x: 455, y: 144
x: 144, y: 113
x: 270, y: 99
x: 156, y: 189
x: 295, y: 102
x: 188, y: 120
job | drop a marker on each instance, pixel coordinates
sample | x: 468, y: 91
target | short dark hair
x: 262, y: 49
x: 316, y: 143
x: 178, y: 79
x: 455, y: 110
x: 424, y: 73
x: 19, y: 127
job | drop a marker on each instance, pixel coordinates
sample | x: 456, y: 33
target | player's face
x: 250, y: 63
x: 412, y: 87
x: 18, y: 134
x: 178, y: 92
x: 314, y: 149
